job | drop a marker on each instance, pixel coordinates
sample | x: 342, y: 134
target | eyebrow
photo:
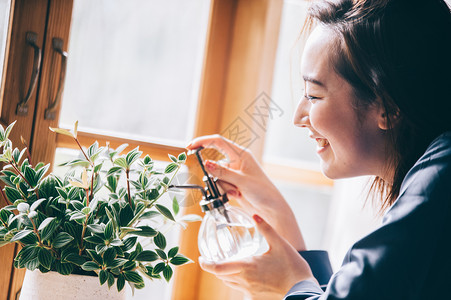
x: 313, y: 80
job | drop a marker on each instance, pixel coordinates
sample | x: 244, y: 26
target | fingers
x: 226, y: 187
x: 271, y: 236
x: 223, y: 173
x: 219, y: 142
x: 221, y: 269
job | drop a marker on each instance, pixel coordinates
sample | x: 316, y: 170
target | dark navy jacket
x: 409, y: 255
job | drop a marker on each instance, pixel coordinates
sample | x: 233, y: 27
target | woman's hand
x: 244, y: 179
x: 268, y: 276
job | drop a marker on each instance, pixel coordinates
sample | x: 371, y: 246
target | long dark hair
x: 396, y: 53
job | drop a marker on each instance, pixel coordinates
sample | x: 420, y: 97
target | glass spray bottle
x: 226, y: 233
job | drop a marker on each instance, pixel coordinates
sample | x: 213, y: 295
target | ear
x: 388, y: 120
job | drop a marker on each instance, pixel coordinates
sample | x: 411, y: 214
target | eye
x: 310, y: 98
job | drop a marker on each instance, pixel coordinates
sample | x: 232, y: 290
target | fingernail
x: 232, y: 193
x: 187, y: 146
x: 257, y: 218
x: 210, y: 165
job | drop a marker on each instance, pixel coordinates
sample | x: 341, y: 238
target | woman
x: 377, y: 102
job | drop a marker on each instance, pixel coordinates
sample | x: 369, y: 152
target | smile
x: 322, y: 144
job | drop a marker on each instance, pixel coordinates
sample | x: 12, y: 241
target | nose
x: 301, y: 116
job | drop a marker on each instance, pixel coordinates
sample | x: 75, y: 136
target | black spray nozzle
x: 208, y: 179
x: 190, y: 186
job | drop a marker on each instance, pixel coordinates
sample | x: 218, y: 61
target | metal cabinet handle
x: 22, y: 106
x: 57, y: 44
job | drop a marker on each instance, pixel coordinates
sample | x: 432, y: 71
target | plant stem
x: 83, y: 151
x: 36, y: 231
x: 127, y: 171
x: 87, y: 197
x: 155, y: 200
x: 85, y: 224
x: 92, y: 186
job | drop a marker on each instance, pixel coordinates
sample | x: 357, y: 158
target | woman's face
x: 350, y: 141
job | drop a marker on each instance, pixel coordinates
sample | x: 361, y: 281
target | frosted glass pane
x: 134, y: 67
x: 5, y: 6
x: 283, y: 139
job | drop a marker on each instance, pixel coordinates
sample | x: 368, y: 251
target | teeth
x: 322, y: 142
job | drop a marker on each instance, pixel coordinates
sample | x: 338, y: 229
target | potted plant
x: 92, y: 220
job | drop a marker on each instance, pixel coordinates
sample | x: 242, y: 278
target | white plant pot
x: 54, y: 286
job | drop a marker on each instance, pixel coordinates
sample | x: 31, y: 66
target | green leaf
x: 64, y: 268
x: 77, y: 216
x: 179, y: 260
x: 147, y: 255
x: 110, y: 280
x: 36, y: 204
x: 109, y: 231
x: 129, y: 243
x: 30, y: 239
x: 113, y: 170
x: 164, y: 211
x: 8, y: 129
x: 96, y: 257
x: 175, y: 205
x: 170, y: 168
x: 150, y: 214
x: 109, y: 256
x: 160, y: 240
x: 45, y: 258
x: 49, y: 227
x: 90, y: 266
x: 75, y: 259
x: 147, y: 160
x: 133, y: 276
x: 96, y: 228
x: 62, y: 239
x: 173, y: 252
x: 167, y: 273
x: 12, y: 194
x: 27, y: 253
x: 93, y: 239
x: 21, y: 234
x: 112, y: 183
x: 103, y: 276
x: 118, y: 262
x: 158, y: 268
x: 121, y: 162
x: 32, y: 264
x: 30, y: 176
x: 146, y: 231
x: 132, y: 156
x: 125, y: 216
x: 41, y: 172
x: 182, y: 157
x: 173, y: 158
x: 120, y: 283
x: 161, y: 253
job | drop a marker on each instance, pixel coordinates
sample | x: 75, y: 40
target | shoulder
x: 428, y: 182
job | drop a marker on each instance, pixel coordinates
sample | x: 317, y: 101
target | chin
x: 332, y: 173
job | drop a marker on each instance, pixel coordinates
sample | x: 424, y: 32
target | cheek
x: 324, y: 119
